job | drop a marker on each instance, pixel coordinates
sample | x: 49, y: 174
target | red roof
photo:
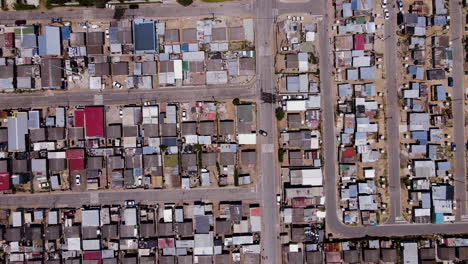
x: 166, y: 243
x: 75, y: 153
x: 76, y: 164
x: 4, y: 181
x: 79, y: 118
x: 94, y: 122
x: 255, y: 211
x: 359, y: 41
x: 92, y: 255
x: 349, y: 152
x: 9, y: 40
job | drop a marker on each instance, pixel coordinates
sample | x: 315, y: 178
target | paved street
x: 392, y: 115
x: 458, y: 104
x: 78, y: 199
x: 88, y: 97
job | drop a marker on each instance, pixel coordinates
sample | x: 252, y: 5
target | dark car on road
x: 263, y: 133
x: 450, y: 81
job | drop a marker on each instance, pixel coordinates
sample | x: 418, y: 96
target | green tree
x: 279, y: 113
x: 236, y: 101
x: 185, y: 2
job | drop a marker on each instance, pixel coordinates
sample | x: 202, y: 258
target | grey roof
x: 188, y: 159
x: 184, y: 228
x: 188, y: 128
x: 126, y: 230
x: 71, y: 231
x: 446, y: 253
x: 292, y: 61
x: 223, y: 258
x: 116, y: 162
x: 57, y: 164
x: 110, y: 261
x: 94, y: 163
x: 89, y: 232
x: 33, y: 233
x: 245, y: 113
x: 206, y: 128
x: 249, y: 157
x: 149, y: 68
x: 77, y: 39
x: 171, y: 35
x: 102, y: 68
x: 202, y: 224
x: 247, y: 64
x: 189, y: 35
x: 151, y: 161
x: 147, y: 260
x: 76, y: 133
x: 119, y: 68
x: 51, y: 73
x: 55, y: 133
x: 388, y: 254
x: 20, y: 166
x: 314, y: 257
x: 223, y: 227
x: 147, y: 230
x: 165, y: 229
x: 114, y: 131
x: 151, y: 130
x: 167, y: 260
x: 226, y: 127
x: 133, y: 161
x: 351, y: 256
x: 209, y: 158
x: 3, y: 165
x: 205, y: 259
x: 227, y: 158
x: 130, y: 131
x: 236, y: 33
x: 6, y: 71
x: 52, y: 232
x: 144, y: 35
x: 37, y: 135
x: 3, y: 135
x: 168, y: 130
x: 218, y: 34
x: 252, y: 258
x: 187, y: 260
x: 95, y: 39
x: 166, y: 66
x: 130, y: 260
x: 109, y: 231
x: 295, y: 257
x: 13, y: 234
x: 372, y: 255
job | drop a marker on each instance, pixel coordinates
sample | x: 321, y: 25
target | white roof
x: 56, y: 155
x: 130, y: 216
x: 178, y: 69
x: 310, y: 36
x: 90, y: 217
x: 74, y: 243
x: 369, y: 173
x: 247, y: 139
x: 17, y: 219
x: 193, y: 56
x: 95, y: 83
x: 422, y: 212
x: 312, y: 177
x: 296, y: 105
x: 91, y: 244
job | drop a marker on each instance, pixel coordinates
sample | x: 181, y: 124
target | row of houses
x: 427, y: 114
x: 136, y: 53
x: 153, y: 146
x: 221, y: 232
x: 361, y: 140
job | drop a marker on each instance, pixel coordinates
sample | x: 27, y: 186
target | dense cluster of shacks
x: 427, y: 112
x: 141, y: 54
x: 358, y: 112
x: 386, y: 251
x: 302, y: 200
x: 204, y: 233
x: 153, y: 146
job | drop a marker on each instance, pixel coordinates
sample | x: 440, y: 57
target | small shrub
x: 279, y: 113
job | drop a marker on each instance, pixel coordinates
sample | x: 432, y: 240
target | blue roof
x: 443, y: 165
x: 421, y: 136
x: 366, y: 72
x: 441, y: 94
x: 353, y: 192
x: 169, y: 141
x: 414, y: 86
x: 440, y: 20
x: 352, y: 74
x: 438, y: 218
x: 354, y: 4
x: 184, y: 47
x: 419, y: 73
x: 66, y: 32
x: 426, y: 200
x: 49, y: 41
x: 144, y: 35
